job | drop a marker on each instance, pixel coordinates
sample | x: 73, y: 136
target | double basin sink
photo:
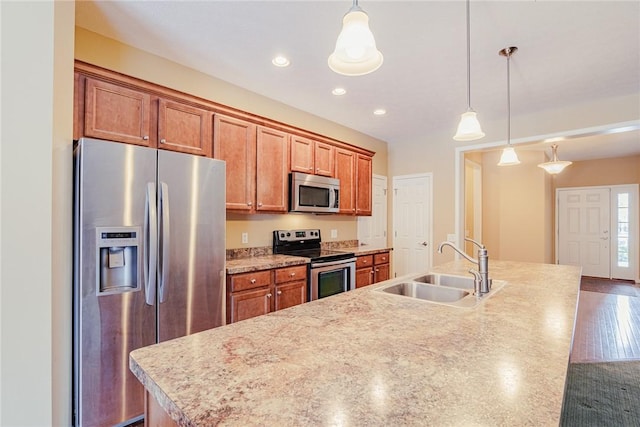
x: 457, y: 291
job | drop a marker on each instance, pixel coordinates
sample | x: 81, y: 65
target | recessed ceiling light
x: 380, y: 112
x: 280, y: 61
x: 339, y: 91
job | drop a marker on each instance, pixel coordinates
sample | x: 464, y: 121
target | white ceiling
x: 570, y: 52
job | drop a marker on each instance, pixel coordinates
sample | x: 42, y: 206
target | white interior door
x: 584, y: 229
x: 412, y: 223
x: 372, y: 230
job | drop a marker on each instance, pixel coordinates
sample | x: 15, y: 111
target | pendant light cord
x: 468, y: 58
x: 508, y: 97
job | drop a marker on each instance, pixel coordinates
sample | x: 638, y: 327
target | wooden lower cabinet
x: 261, y: 292
x: 372, y: 269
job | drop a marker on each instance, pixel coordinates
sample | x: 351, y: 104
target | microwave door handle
x: 333, y: 198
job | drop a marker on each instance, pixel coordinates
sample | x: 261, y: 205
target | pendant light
x: 356, y: 53
x: 509, y: 156
x: 469, y: 127
x: 555, y: 166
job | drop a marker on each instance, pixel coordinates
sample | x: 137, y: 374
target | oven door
x: 331, y: 278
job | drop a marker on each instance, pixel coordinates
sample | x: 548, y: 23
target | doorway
x: 412, y: 223
x: 597, y: 229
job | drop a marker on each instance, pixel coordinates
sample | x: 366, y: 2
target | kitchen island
x: 367, y: 358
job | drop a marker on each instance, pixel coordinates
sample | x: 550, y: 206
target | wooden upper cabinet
x: 309, y: 156
x: 363, y: 185
x: 345, y: 165
x: 234, y: 141
x: 272, y: 162
x: 324, y: 158
x: 117, y: 113
x: 184, y: 128
x: 302, y: 154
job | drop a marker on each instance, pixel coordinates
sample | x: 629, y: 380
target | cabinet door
x: 116, y: 113
x: 345, y: 171
x: 247, y: 304
x: 290, y: 294
x: 184, y: 128
x: 363, y: 185
x: 381, y: 273
x: 302, y: 154
x: 364, y: 277
x: 272, y: 160
x: 234, y: 141
x: 324, y: 156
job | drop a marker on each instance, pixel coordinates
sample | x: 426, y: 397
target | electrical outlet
x: 451, y: 238
x: 245, y: 237
x: 334, y: 234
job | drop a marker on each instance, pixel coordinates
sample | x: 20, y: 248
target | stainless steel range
x: 330, y: 272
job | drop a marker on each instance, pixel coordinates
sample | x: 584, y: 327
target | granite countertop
x: 366, y: 358
x: 365, y: 250
x: 263, y: 262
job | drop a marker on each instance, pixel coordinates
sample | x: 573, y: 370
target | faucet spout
x: 452, y: 246
x: 482, y: 262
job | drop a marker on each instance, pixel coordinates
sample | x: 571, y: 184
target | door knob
x: 424, y: 243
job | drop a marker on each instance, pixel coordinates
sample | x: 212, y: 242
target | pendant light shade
x: 555, y: 166
x: 469, y: 127
x: 509, y: 156
x: 355, y: 53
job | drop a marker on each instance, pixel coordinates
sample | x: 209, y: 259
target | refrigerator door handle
x: 164, y: 240
x: 150, y: 244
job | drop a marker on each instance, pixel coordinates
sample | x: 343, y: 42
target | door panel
x: 583, y: 230
x: 412, y: 224
x: 194, y: 286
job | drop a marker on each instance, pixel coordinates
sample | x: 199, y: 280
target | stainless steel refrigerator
x: 149, y: 254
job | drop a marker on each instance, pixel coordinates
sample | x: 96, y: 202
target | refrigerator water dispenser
x: 118, y: 249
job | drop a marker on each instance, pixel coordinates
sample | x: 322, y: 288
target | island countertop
x: 366, y: 358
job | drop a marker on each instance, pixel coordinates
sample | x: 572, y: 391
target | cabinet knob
x: 253, y: 280
x: 249, y: 204
x: 259, y: 204
x: 146, y: 137
x: 162, y: 141
x: 279, y: 292
x: 269, y: 295
x: 364, y: 261
x: 384, y: 258
x: 292, y: 274
x: 372, y: 272
x: 377, y: 269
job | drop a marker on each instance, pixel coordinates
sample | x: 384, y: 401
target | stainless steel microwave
x: 313, y: 193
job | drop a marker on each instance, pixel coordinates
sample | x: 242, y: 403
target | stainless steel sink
x: 446, y: 289
x: 460, y: 282
x: 426, y: 292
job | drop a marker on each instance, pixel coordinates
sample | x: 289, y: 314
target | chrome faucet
x: 481, y: 276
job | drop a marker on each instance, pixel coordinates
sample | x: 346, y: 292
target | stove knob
x: 282, y: 235
x: 288, y: 234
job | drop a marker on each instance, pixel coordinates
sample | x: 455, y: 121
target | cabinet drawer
x: 382, y: 258
x: 364, y: 261
x: 256, y: 279
x: 289, y: 274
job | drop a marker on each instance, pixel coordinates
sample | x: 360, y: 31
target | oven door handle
x: 329, y: 264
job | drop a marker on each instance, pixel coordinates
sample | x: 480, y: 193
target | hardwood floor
x: 608, y: 322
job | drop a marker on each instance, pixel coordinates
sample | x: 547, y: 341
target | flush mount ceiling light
x: 469, y: 127
x: 380, y: 112
x: 339, y: 91
x: 509, y: 156
x: 555, y: 166
x: 280, y: 61
x: 355, y: 53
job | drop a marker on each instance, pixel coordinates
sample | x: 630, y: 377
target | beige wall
x: 108, y: 53
x: 35, y: 196
x: 514, y: 208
